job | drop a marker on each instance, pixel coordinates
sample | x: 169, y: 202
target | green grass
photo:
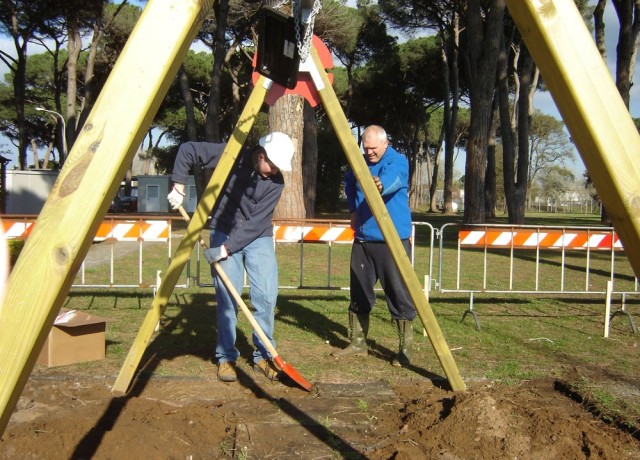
x: 522, y: 336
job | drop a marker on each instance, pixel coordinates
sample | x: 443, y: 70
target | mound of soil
x: 78, y: 417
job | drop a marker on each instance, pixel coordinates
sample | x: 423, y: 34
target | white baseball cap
x: 279, y: 148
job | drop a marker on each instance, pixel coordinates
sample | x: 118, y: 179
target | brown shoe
x: 227, y: 372
x: 267, y: 368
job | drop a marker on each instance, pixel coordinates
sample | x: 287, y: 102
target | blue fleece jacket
x: 393, y: 171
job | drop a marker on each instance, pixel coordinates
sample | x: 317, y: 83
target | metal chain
x: 280, y: 5
x: 304, y: 43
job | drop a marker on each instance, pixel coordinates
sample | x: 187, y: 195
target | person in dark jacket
x: 241, y: 238
x: 371, y: 259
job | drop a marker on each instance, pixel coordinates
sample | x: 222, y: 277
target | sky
x: 543, y: 101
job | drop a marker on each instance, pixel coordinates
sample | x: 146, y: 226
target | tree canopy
x: 432, y: 88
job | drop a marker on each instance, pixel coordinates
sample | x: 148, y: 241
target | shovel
x: 284, y: 367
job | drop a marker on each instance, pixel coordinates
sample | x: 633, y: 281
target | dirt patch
x: 77, y: 417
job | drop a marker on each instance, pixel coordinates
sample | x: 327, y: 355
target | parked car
x: 124, y: 204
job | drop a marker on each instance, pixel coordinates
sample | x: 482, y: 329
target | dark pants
x: 371, y: 262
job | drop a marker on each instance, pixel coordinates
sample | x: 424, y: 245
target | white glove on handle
x: 215, y: 254
x: 175, y: 198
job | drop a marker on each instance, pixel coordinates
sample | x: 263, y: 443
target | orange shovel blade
x: 293, y: 373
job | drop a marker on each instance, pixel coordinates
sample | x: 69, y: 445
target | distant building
x: 28, y: 190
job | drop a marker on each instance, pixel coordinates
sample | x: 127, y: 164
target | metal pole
x: 64, y: 132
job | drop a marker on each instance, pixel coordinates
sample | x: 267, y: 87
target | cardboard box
x: 75, y: 337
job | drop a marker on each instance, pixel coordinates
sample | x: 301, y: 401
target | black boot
x: 405, y: 348
x: 358, y: 330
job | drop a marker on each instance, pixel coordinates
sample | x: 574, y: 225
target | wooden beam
x: 196, y: 224
x: 591, y: 106
x: 65, y: 228
x: 359, y: 166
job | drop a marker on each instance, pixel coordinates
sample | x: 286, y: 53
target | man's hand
x: 215, y: 254
x: 376, y: 180
x: 176, y: 197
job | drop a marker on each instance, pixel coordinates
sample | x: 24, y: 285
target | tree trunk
x: 416, y: 180
x: 286, y: 116
x: 34, y: 150
x: 532, y: 89
x: 599, y: 26
x: 483, y: 48
x: 628, y: 12
x: 19, y: 93
x: 414, y: 157
x: 74, y: 43
x: 47, y: 155
x: 212, y: 126
x: 451, y: 123
x: 526, y: 72
x: 235, y: 78
x: 490, y: 175
x: 424, y: 166
x: 191, y: 132
x: 433, y: 186
x: 309, y: 159
x: 89, y: 82
x: 55, y: 135
x: 21, y: 40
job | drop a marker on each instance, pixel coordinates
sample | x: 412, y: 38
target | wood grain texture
x: 591, y: 106
x: 379, y: 210
x: 105, y: 147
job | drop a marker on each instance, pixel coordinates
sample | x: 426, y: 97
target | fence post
x: 607, y: 309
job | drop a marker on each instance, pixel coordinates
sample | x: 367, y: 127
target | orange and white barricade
x: 320, y: 233
x: 539, y: 237
x: 112, y: 231
x: 527, y: 259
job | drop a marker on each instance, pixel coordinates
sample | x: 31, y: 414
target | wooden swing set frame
x: 555, y: 34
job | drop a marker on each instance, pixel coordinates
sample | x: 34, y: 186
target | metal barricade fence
x: 527, y: 259
x: 306, y: 247
x: 111, y: 261
x: 337, y: 237
x: 303, y: 248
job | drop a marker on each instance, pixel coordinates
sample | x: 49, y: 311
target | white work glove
x: 215, y: 254
x: 175, y: 198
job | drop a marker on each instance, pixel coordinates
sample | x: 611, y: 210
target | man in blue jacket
x: 371, y: 259
x: 241, y: 238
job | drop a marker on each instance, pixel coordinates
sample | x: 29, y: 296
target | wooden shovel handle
x: 234, y: 293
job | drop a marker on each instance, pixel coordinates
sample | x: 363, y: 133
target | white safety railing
x: 117, y: 240
x: 473, y: 259
x: 305, y: 246
x: 538, y: 260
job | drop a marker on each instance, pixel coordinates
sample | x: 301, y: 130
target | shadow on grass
x: 292, y: 312
x: 192, y: 331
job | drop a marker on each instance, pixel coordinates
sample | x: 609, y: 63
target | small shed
x: 153, y: 191
x: 28, y: 190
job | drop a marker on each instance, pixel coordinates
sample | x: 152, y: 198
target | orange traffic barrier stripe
x: 540, y: 238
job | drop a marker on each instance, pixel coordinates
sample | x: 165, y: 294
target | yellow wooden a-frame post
x: 554, y: 33
x: 65, y: 228
x: 379, y: 210
x: 591, y: 107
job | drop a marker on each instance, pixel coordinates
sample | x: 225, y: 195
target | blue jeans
x: 259, y: 260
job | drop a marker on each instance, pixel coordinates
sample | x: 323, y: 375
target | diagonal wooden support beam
x: 62, y: 235
x: 359, y: 166
x: 196, y: 224
x: 591, y: 106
